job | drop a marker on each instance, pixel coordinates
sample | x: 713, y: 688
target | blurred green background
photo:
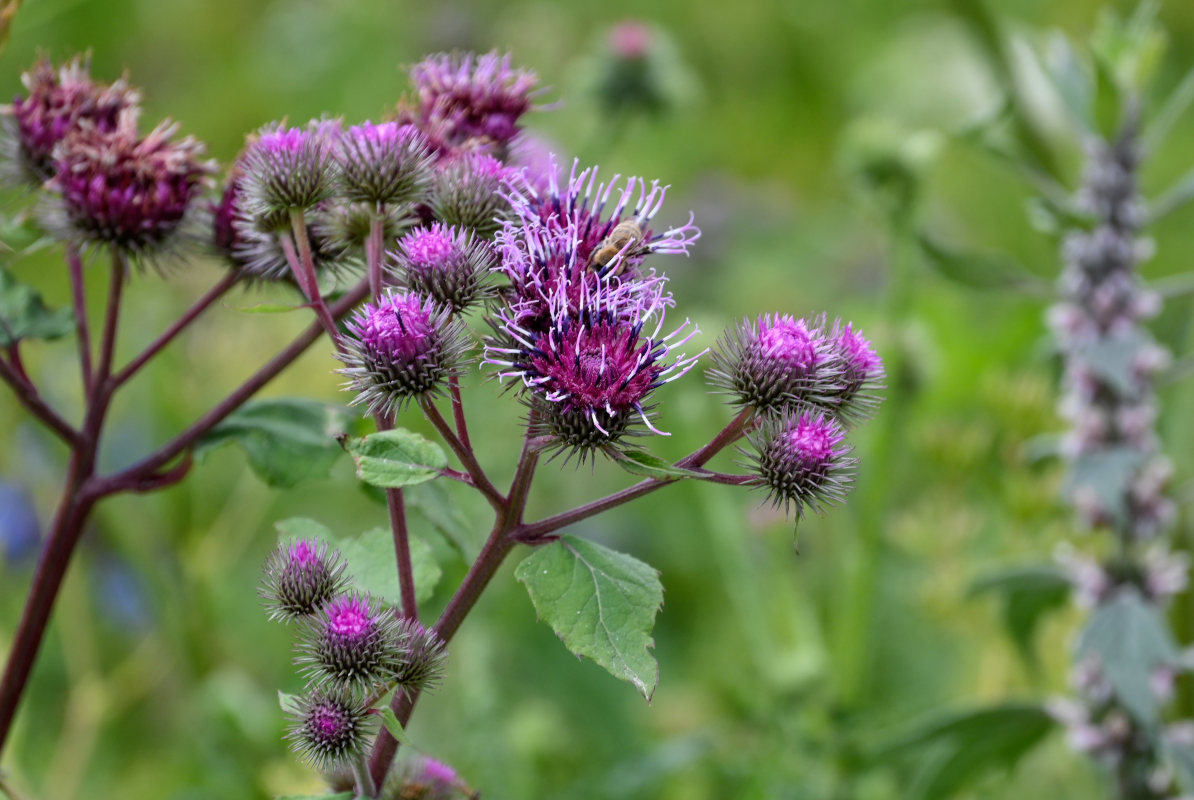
x: 783, y: 674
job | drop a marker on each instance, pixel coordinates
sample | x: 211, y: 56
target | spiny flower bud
x: 60, y: 102
x: 116, y: 190
x: 288, y: 169
x: 423, y: 657
x: 300, y: 577
x: 467, y: 193
x: 774, y: 363
x: 329, y: 729
x: 852, y: 396
x: 446, y: 263
x: 802, y: 461
x: 345, y: 227
x: 385, y: 163
x: 350, y: 643
x: 401, y: 349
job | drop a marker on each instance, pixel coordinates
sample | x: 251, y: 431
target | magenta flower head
x: 852, y: 395
x: 802, y: 460
x: 351, y: 643
x: 589, y: 377
x: 472, y: 99
x: 446, y: 263
x: 300, y: 577
x: 774, y: 363
x: 329, y: 729
x: 422, y: 657
x: 384, y: 164
x: 468, y: 193
x: 402, y: 348
x: 119, y: 191
x: 59, y: 102
x: 288, y: 170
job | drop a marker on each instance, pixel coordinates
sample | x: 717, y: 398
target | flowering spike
x: 386, y: 163
x: 300, y: 577
x: 802, y: 461
x: 329, y: 729
x: 351, y: 643
x: 448, y: 264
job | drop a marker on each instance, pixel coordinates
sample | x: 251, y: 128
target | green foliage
x: 397, y: 458
x: 24, y: 315
x: 1026, y: 595
x: 1105, y: 476
x: 647, y: 465
x: 393, y: 725
x: 601, y: 603
x: 980, y: 270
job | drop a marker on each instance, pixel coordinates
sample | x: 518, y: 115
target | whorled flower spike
x: 467, y: 193
x: 802, y: 460
x: 386, y: 163
x: 329, y: 729
x: 448, y: 264
x: 400, y: 349
x: 120, y: 191
x: 288, y: 169
x: 300, y: 577
x: 775, y: 363
x: 60, y: 101
x: 423, y: 657
x: 351, y: 643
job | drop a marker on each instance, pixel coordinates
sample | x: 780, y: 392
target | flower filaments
x: 774, y: 363
x: 120, y: 191
x: 467, y: 193
x: 60, y: 102
x: 350, y: 643
x: 402, y: 348
x: 386, y: 163
x: 802, y: 460
x: 329, y: 729
x: 300, y: 577
x: 445, y: 263
x: 288, y: 169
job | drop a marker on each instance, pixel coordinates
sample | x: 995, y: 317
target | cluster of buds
x: 352, y: 649
x: 108, y: 186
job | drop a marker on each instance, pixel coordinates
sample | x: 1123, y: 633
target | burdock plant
x: 547, y: 279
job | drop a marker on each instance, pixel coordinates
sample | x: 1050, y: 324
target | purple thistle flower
x: 351, y: 643
x: 402, y: 348
x: 613, y: 239
x: 468, y: 193
x: 385, y: 163
x: 852, y: 395
x: 300, y: 576
x: 288, y: 169
x: 465, y: 99
x: 329, y: 729
x: 802, y: 460
x: 117, y: 190
x: 60, y: 102
x: 776, y: 362
x: 448, y: 264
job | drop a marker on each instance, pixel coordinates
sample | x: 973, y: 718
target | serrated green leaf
x: 286, y: 439
x: 601, y: 603
x: 392, y: 724
x: 1130, y: 640
x: 397, y: 458
x: 1026, y: 595
x: 647, y: 465
x: 374, y: 567
x: 24, y: 315
x: 981, y: 270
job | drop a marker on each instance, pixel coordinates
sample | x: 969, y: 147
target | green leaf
x: 1172, y: 109
x: 392, y: 724
x: 601, y: 603
x: 640, y: 462
x: 434, y: 501
x: 24, y: 315
x: 1130, y: 640
x: 1113, y: 360
x: 1181, y: 756
x: 1172, y: 199
x: 955, y: 751
x: 397, y: 458
x: 287, y: 702
x: 374, y: 567
x: 981, y: 270
x: 286, y: 439
x: 1027, y: 594
x: 1072, y: 81
x: 1105, y: 477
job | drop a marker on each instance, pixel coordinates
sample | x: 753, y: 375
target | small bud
x: 329, y: 729
x: 422, y: 659
x: 467, y: 193
x: 802, y: 461
x: 288, y: 169
x: 343, y: 228
x: 351, y: 643
x: 448, y: 264
x: 300, y: 576
x: 774, y: 363
x: 401, y: 349
x: 851, y: 395
x: 386, y: 163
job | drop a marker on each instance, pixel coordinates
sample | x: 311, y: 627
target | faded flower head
x: 288, y: 169
x: 446, y: 263
x: 121, y: 191
x: 467, y: 192
x: 329, y: 729
x: 300, y: 577
x: 802, y: 459
x: 465, y: 98
x: 386, y: 163
x: 402, y: 348
x: 775, y: 363
x: 350, y: 643
x: 60, y: 101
